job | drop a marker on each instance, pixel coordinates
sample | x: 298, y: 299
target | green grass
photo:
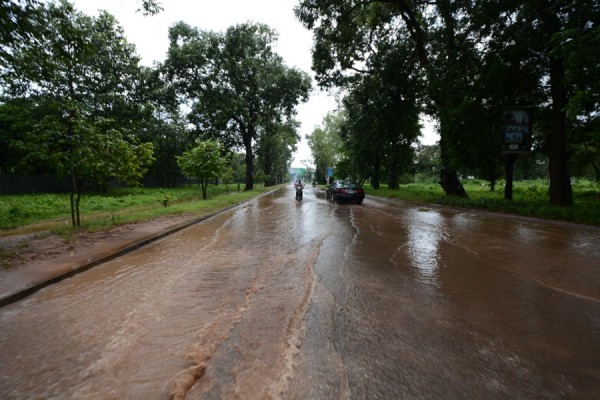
x: 530, y: 198
x: 118, y: 206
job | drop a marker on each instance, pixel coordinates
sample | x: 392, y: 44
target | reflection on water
x: 423, y: 244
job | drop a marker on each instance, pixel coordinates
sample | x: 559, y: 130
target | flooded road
x: 313, y: 300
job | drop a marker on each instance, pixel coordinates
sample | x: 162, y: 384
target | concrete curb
x: 21, y: 294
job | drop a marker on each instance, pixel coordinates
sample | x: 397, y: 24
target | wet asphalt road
x: 313, y: 300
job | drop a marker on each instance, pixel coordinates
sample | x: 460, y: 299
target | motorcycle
x: 298, y: 193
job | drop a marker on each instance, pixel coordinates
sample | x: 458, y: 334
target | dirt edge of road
x: 37, y: 260
x: 34, y: 261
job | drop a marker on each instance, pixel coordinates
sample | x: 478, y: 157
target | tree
x: 15, y: 117
x: 78, y: 78
x: 203, y: 162
x: 151, y: 7
x: 426, y: 162
x: 227, y: 177
x: 237, y: 162
x: 234, y: 83
x: 586, y: 151
x: 326, y: 145
x: 164, y: 125
x: 538, y: 37
x: 348, y: 33
x: 536, y: 53
x: 276, y: 146
x: 21, y: 22
x: 170, y: 138
x: 383, y: 105
x: 580, y: 48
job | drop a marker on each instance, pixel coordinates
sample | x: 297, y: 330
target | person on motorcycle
x: 299, y: 186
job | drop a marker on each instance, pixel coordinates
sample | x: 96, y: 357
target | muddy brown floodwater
x: 313, y: 300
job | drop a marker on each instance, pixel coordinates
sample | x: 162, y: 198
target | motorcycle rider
x: 299, y: 186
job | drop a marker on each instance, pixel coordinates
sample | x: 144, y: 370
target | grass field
x: 118, y: 206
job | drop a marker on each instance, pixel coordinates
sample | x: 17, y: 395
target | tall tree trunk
x: 249, y: 161
x: 393, y: 177
x: 72, y: 195
x: 561, y: 192
x: 375, y: 176
x: 450, y: 183
x: 72, y: 202
x: 597, y: 170
x: 448, y: 174
x: 269, y: 175
x: 204, y: 183
x: 77, y: 201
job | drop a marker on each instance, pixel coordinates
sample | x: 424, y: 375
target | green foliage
x: 477, y: 57
x: 16, y: 210
x: 119, y: 206
x: 237, y: 162
x: 227, y: 176
x: 151, y: 7
x: 170, y: 138
x: 77, y: 82
x: 238, y: 88
x: 20, y: 22
x: 326, y: 144
x: 165, y: 198
x: 275, y: 149
x: 203, y: 162
x: 20, y: 210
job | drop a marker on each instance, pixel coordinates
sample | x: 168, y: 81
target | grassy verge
x: 530, y: 198
x: 119, y: 206
x: 33, y: 212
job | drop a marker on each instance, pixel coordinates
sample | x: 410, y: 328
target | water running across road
x: 298, y: 300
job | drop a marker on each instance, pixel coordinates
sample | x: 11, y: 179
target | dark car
x: 346, y: 192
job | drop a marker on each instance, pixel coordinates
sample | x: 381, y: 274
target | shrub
x: 165, y: 198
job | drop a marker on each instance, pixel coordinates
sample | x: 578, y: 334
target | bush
x: 165, y: 198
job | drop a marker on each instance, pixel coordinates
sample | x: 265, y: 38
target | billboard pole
x: 510, y: 168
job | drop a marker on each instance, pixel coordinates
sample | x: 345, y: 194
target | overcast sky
x: 150, y: 36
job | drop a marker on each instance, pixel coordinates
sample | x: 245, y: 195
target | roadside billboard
x: 516, y: 131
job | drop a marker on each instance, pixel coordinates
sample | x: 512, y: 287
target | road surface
x: 314, y: 300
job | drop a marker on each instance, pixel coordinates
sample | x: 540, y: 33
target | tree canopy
x: 326, y: 145
x: 474, y: 57
x: 74, y: 88
x: 235, y: 85
x: 74, y: 100
x: 203, y: 162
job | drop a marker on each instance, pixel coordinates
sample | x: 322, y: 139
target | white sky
x: 150, y: 36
